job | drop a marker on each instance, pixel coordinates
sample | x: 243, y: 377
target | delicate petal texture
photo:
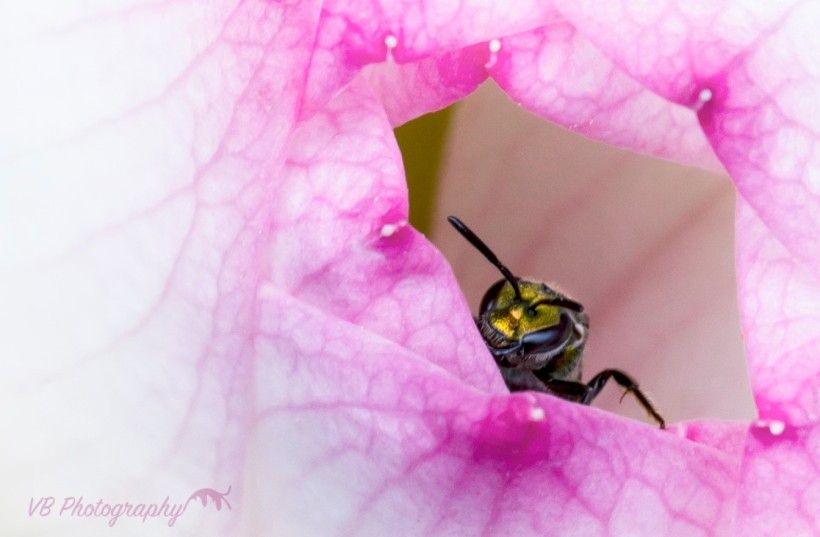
x: 210, y: 279
x: 674, y: 47
x: 556, y: 72
x: 354, y: 33
x: 409, y: 90
x: 429, y: 26
x: 780, y: 484
x: 381, y: 440
x: 340, y: 241
x: 729, y: 437
x: 717, y: 57
x: 780, y: 475
x: 144, y: 143
x: 780, y: 311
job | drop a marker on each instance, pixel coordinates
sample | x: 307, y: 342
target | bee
x: 537, y: 337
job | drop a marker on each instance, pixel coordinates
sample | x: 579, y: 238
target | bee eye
x: 531, y: 311
x: 491, y: 296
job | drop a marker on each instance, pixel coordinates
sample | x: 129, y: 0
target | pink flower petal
x: 140, y: 153
x: 718, y: 58
x: 340, y: 241
x: 780, y: 312
x: 382, y: 440
x: 557, y: 73
x: 355, y: 33
x: 729, y: 437
x: 779, y: 491
x: 409, y: 90
x: 780, y: 484
x: 183, y: 313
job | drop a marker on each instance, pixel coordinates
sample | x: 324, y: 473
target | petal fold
x: 780, y: 315
x: 556, y: 72
x: 780, y: 483
x: 412, y: 89
x: 750, y: 71
x: 366, y: 441
x: 340, y: 240
x: 354, y: 34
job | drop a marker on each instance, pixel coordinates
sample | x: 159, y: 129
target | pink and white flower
x: 208, y: 279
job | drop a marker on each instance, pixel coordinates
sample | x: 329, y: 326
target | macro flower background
x: 208, y: 278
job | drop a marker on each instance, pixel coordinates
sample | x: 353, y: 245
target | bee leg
x: 566, y: 389
x: 596, y: 384
x: 585, y: 393
x: 519, y: 380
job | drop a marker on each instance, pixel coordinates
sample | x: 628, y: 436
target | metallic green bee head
x: 527, y: 324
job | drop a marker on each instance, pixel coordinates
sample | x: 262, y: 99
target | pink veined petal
x: 341, y: 242
x: 780, y: 482
x: 409, y: 90
x: 142, y: 145
x: 557, y: 73
x: 357, y: 435
x: 779, y: 491
x: 355, y: 33
x: 182, y: 346
x: 780, y: 313
x: 674, y: 47
x: 361, y: 437
x: 430, y: 26
x: 729, y: 437
x: 752, y: 70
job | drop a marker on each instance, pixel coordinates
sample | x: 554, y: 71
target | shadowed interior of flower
x: 211, y: 282
x: 646, y: 246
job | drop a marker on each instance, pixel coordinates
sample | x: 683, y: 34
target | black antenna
x: 485, y: 250
x: 561, y: 302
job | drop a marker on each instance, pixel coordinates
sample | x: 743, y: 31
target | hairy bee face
x: 541, y: 329
x: 537, y: 335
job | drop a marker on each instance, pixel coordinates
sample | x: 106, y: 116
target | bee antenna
x: 485, y: 250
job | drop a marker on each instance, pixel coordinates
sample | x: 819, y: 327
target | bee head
x: 524, y: 322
